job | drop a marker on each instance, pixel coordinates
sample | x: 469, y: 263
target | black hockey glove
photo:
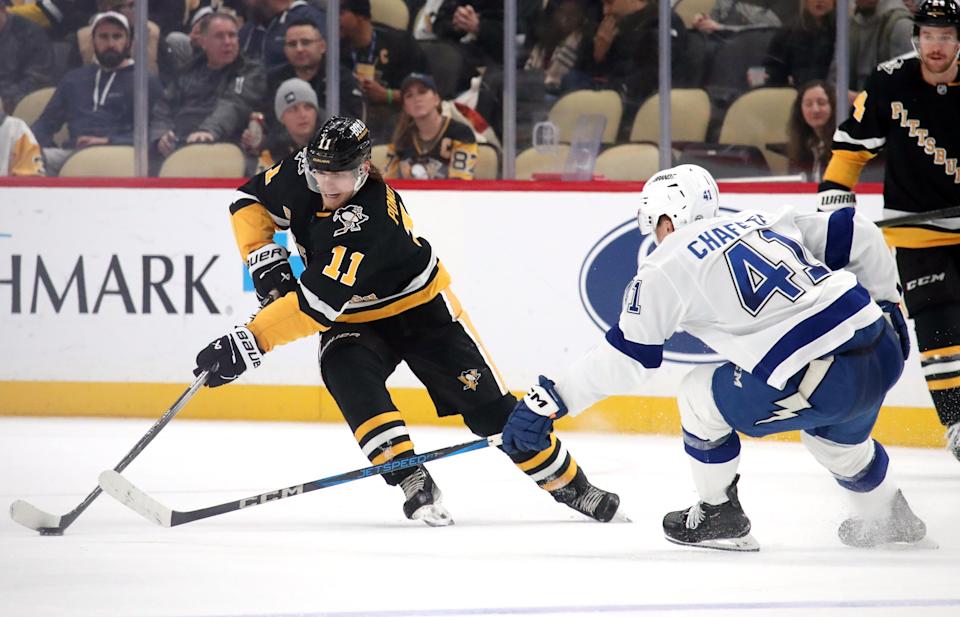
x: 229, y: 356
x: 270, y: 270
x: 530, y: 423
x: 894, y: 314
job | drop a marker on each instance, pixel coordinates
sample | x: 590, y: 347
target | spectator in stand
x: 879, y: 31
x: 58, y: 17
x: 622, y: 53
x: 476, y: 28
x: 556, y: 39
x: 380, y: 58
x: 19, y: 151
x: 95, y: 101
x: 735, y: 16
x: 262, y: 38
x: 26, y: 58
x: 803, y: 51
x: 212, y: 99
x: 125, y: 8
x: 295, y: 106
x: 304, y: 48
x: 183, y: 48
x: 810, y: 129
x: 426, y: 144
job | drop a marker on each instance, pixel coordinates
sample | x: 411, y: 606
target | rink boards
x: 108, y: 291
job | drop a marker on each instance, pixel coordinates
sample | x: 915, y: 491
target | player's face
x: 420, y: 101
x: 815, y: 107
x: 938, y: 48
x: 664, y: 228
x: 336, y: 187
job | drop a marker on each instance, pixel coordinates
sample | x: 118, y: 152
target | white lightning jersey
x: 768, y: 292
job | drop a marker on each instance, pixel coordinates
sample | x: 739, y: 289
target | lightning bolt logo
x: 791, y: 406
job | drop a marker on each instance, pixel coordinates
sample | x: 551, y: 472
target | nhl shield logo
x: 469, y: 379
x: 350, y: 217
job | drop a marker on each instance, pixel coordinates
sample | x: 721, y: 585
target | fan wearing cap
x: 426, y: 144
x: 95, y: 101
x: 295, y: 105
x: 378, y: 295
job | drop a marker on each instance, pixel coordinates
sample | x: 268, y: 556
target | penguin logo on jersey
x: 470, y: 378
x: 350, y: 217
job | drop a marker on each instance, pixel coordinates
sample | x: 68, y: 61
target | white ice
x: 348, y: 550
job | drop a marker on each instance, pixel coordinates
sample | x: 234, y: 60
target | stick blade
x: 129, y: 495
x: 32, y: 517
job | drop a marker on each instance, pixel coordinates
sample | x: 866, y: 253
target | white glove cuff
x: 540, y: 401
x: 266, y: 256
x: 246, y: 344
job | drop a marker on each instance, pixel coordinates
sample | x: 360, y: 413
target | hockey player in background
x: 803, y: 307
x: 378, y: 295
x: 909, y: 108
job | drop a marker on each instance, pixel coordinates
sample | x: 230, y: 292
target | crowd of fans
x: 252, y: 72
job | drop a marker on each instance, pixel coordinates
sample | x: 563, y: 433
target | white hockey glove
x: 530, y: 423
x: 270, y: 270
x: 833, y: 199
x: 229, y: 356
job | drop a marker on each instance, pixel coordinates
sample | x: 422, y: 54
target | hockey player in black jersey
x: 378, y: 295
x: 909, y: 109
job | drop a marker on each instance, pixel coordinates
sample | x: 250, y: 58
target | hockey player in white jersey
x: 805, y: 309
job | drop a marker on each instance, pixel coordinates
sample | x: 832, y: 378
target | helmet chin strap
x: 361, y: 173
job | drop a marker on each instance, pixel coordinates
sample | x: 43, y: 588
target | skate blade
x: 924, y: 544
x: 746, y: 544
x: 433, y: 515
x: 621, y: 517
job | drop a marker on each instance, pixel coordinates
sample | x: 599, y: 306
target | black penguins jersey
x: 916, y: 124
x: 363, y: 261
x: 452, y: 154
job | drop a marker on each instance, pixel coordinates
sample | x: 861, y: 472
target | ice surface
x: 348, y: 550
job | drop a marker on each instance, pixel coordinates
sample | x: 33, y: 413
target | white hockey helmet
x: 685, y: 193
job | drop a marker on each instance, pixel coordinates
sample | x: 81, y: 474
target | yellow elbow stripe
x: 282, y: 322
x: 845, y: 167
x: 919, y: 238
x: 252, y: 227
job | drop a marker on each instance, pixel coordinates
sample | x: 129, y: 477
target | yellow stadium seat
x: 204, y: 161
x: 758, y: 118
x: 488, y: 163
x: 100, y: 161
x: 628, y: 162
x: 550, y: 160
x: 690, y: 115
x: 31, y: 106
x: 688, y: 9
x: 570, y: 107
x: 378, y: 156
x: 393, y: 13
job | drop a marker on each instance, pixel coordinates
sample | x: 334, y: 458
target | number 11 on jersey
x: 332, y: 269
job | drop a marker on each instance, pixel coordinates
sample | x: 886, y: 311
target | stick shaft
x: 920, y: 217
x: 181, y: 517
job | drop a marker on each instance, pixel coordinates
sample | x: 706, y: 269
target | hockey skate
x: 953, y: 439
x: 423, y: 499
x: 900, y: 526
x: 724, y: 527
x: 587, y: 499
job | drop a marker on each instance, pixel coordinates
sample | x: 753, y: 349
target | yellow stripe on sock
x: 943, y: 384
x: 392, y: 452
x: 563, y: 480
x: 375, y: 421
x: 943, y: 351
x: 539, y: 457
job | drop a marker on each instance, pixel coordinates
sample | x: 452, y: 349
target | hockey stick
x: 48, y: 524
x: 146, y: 506
x: 920, y: 217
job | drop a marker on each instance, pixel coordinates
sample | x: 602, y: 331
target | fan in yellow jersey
x: 426, y: 144
x: 378, y: 295
x: 909, y: 108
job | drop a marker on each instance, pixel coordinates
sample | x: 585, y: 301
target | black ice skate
x: 724, y: 527
x: 423, y: 499
x: 901, y: 525
x: 953, y: 439
x: 587, y: 499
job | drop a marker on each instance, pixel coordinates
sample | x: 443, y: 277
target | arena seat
x: 488, y: 162
x: 568, y: 109
x: 100, y: 161
x: 31, y: 106
x: 758, y: 118
x: 628, y: 162
x: 204, y: 161
x: 393, y: 13
x: 688, y: 9
x: 546, y: 160
x: 690, y: 116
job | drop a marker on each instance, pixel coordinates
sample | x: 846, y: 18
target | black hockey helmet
x: 341, y: 143
x: 942, y: 13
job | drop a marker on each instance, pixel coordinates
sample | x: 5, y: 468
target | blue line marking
x: 630, y: 608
